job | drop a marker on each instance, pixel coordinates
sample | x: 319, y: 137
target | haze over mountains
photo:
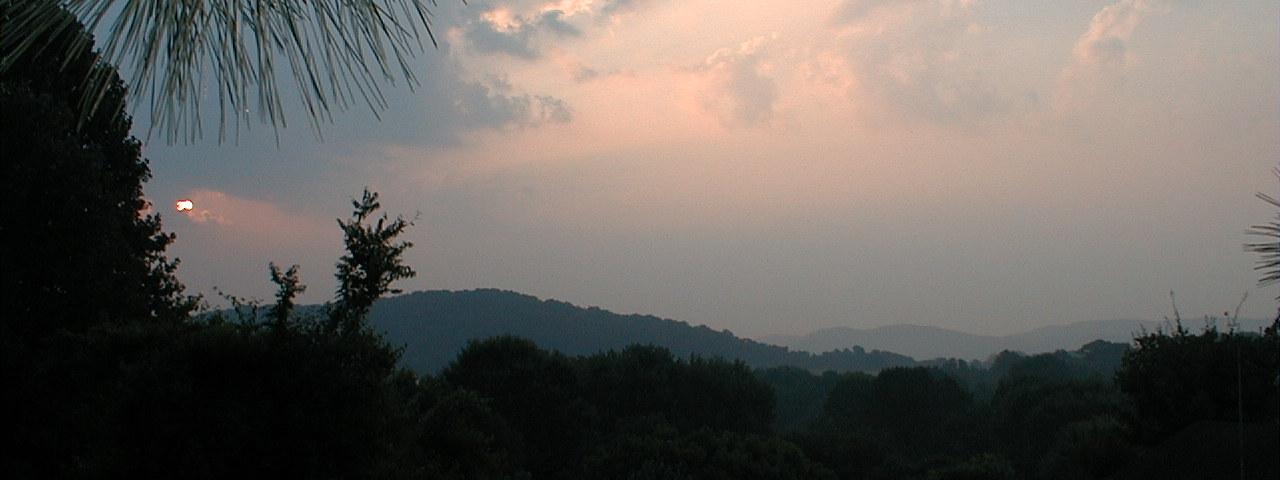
x: 924, y: 342
x: 434, y: 325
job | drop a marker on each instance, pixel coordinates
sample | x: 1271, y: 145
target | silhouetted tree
x: 799, y: 395
x: 84, y: 282
x: 231, y: 401
x: 700, y: 393
x: 851, y: 453
x: 918, y: 411
x: 458, y: 436
x: 1037, y: 400
x: 1088, y: 449
x: 81, y: 247
x: 649, y: 449
x: 288, y: 286
x: 371, y: 263
x: 1177, y: 378
x: 981, y: 467
x: 537, y: 392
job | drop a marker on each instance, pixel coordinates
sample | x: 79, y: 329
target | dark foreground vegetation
x: 109, y: 373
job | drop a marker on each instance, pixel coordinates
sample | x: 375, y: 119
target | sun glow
x: 184, y: 205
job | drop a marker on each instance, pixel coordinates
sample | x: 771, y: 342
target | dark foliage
x: 1092, y: 448
x: 81, y: 263
x: 918, y: 410
x: 1177, y: 378
x: 1209, y: 449
x: 1045, y: 416
x: 80, y: 249
x: 698, y: 393
x: 110, y: 377
x: 1032, y: 407
x: 800, y: 395
x: 372, y: 262
x: 538, y: 392
x: 981, y: 467
x: 561, y: 407
x: 456, y: 434
x: 213, y: 399
x: 288, y: 286
x: 646, y: 450
x: 850, y: 454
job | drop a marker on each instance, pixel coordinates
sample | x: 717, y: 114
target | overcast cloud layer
x: 776, y: 167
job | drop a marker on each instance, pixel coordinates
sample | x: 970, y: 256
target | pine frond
x: 336, y: 53
x: 1268, y: 250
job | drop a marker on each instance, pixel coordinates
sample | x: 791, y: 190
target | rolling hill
x: 433, y: 326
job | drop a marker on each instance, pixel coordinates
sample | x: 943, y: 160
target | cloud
x: 204, y: 215
x: 487, y: 37
x: 501, y: 31
x: 740, y: 92
x: 450, y: 103
x: 553, y: 20
x: 230, y: 239
x: 920, y: 60
x: 1109, y: 32
x: 518, y: 27
x: 249, y: 220
x: 491, y: 105
x: 1101, y: 55
x: 644, y: 180
x: 617, y: 7
x: 582, y: 73
x: 852, y: 10
x: 552, y: 110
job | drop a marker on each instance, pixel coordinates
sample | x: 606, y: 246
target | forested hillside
x: 434, y: 326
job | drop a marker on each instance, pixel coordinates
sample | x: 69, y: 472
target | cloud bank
x: 983, y: 165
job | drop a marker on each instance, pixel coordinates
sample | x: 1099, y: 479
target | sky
x: 778, y: 167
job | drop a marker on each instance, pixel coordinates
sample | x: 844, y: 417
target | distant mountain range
x: 924, y: 342
x: 434, y: 326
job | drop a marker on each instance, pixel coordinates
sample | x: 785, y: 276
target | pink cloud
x: 740, y: 90
x: 245, y: 219
x: 909, y: 60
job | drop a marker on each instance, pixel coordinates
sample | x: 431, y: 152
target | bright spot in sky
x: 184, y: 205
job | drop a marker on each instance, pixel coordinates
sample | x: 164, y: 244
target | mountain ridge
x: 950, y: 343
x: 433, y: 326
